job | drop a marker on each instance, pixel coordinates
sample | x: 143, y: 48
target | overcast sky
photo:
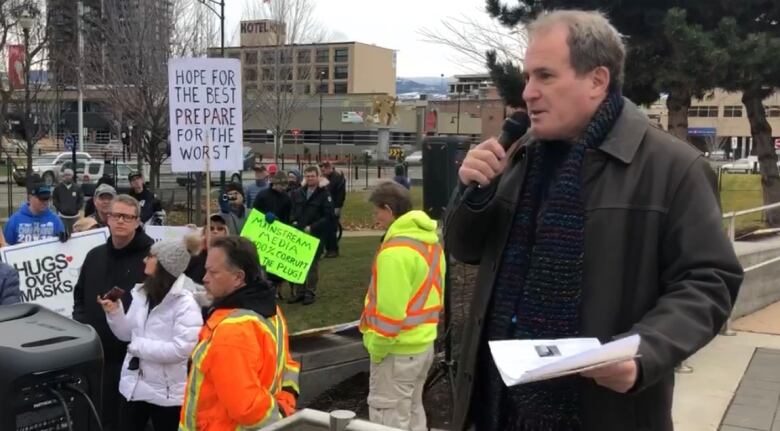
x: 394, y: 25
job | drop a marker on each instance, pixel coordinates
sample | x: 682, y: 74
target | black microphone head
x: 514, y: 128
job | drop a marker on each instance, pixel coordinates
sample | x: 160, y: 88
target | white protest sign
x: 206, y: 114
x: 159, y: 233
x: 49, y: 269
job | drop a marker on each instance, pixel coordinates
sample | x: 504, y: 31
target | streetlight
x: 456, y: 119
x: 26, y: 22
x: 322, y: 78
x: 221, y: 15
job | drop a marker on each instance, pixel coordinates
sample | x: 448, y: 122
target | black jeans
x: 331, y: 236
x: 136, y: 414
x: 308, y: 289
x: 111, y: 396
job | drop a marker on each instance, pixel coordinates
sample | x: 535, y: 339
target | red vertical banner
x: 16, y: 66
x: 430, y: 121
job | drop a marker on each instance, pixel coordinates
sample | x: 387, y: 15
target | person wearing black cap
x: 232, y: 208
x: 34, y: 221
x: 197, y: 267
x: 144, y: 197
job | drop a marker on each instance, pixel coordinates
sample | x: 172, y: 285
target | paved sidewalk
x: 703, y: 399
x: 755, y: 404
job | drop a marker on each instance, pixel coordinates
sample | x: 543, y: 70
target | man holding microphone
x: 594, y: 224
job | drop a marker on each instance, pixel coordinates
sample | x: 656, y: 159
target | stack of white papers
x: 524, y: 361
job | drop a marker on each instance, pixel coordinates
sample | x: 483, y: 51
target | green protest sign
x: 284, y: 250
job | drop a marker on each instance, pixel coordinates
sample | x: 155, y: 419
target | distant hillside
x: 423, y: 85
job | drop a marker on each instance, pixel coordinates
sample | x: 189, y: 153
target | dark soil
x: 352, y: 393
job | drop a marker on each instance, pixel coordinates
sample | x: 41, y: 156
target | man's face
x: 67, y: 178
x: 327, y: 170
x: 235, y: 198
x: 292, y: 179
x: 312, y: 180
x: 122, y: 220
x: 103, y: 203
x: 560, y: 103
x: 221, y: 279
x: 279, y: 186
x: 137, y: 184
x: 261, y: 174
x: 218, y: 229
x: 38, y: 204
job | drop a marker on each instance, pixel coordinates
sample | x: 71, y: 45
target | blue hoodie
x: 25, y: 227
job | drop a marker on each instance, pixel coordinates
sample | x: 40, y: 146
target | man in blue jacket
x: 34, y: 221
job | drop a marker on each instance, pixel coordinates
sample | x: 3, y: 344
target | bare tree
x: 30, y: 109
x: 134, y: 73
x: 276, y: 99
x: 469, y: 36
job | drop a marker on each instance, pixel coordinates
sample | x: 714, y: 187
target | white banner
x: 206, y: 115
x: 159, y: 233
x: 49, y: 269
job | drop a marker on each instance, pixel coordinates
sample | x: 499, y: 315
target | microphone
x: 513, y: 129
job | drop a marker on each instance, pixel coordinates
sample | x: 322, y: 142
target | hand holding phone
x: 114, y: 294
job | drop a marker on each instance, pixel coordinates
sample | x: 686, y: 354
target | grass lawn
x: 739, y: 192
x: 357, y: 210
x: 341, y: 289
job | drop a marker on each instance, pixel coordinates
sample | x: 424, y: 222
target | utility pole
x: 79, y: 68
x: 322, y: 78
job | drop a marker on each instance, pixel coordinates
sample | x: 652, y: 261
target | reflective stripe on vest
x: 274, y: 329
x: 416, y: 313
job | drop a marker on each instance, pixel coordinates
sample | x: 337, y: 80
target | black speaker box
x: 442, y: 156
x: 47, y: 362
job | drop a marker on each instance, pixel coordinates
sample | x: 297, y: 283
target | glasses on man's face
x: 122, y: 217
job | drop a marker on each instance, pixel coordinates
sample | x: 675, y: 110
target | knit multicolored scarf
x: 539, y: 281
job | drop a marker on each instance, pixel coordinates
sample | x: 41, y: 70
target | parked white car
x: 415, y: 158
x: 49, y: 166
x: 746, y: 165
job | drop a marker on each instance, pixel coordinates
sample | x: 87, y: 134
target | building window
x: 268, y: 57
x: 322, y: 88
x: 323, y: 55
x: 268, y: 74
x: 236, y: 55
x: 250, y: 57
x: 285, y: 74
x: 303, y: 88
x: 268, y: 88
x: 321, y: 73
x: 304, y: 57
x: 341, y: 55
x: 773, y: 111
x: 250, y: 74
x: 341, y: 72
x: 304, y: 73
x: 703, y: 111
x: 286, y: 88
x: 286, y: 57
x: 732, y: 111
x: 340, y: 88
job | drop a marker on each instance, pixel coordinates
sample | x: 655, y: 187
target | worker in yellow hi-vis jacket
x: 402, y: 309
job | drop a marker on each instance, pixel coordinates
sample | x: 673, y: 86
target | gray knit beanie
x: 174, y: 254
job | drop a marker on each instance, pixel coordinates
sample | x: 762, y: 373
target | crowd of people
x: 191, y: 332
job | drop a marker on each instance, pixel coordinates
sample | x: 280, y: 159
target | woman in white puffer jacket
x: 162, y: 326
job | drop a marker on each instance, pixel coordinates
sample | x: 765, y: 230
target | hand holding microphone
x: 488, y: 160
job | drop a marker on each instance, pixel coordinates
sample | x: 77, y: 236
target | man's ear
x: 600, y: 81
